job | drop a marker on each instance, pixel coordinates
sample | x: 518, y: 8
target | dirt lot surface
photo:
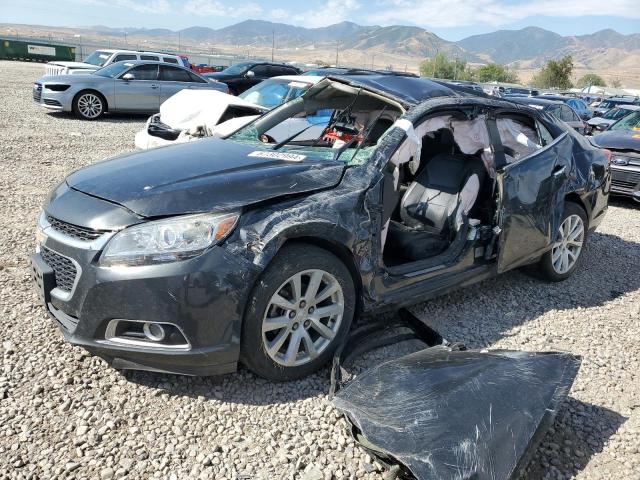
x: 65, y: 414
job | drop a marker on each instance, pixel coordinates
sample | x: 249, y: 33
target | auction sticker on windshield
x: 290, y: 157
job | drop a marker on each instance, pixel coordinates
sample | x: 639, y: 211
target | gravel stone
x: 66, y: 414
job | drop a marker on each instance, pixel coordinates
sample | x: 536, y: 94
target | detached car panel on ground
x: 193, y: 257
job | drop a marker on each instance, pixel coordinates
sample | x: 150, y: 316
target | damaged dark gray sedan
x: 195, y: 257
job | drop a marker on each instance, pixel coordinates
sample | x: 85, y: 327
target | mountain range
x: 529, y: 47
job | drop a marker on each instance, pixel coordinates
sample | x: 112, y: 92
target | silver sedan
x: 134, y: 87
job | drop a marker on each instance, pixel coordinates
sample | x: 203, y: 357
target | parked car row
x: 602, y: 106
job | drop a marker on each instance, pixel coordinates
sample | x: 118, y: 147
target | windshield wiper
x: 281, y: 144
x: 367, y: 131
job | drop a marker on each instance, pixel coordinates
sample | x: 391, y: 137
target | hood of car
x: 70, y: 79
x: 202, y: 176
x: 600, y: 121
x: 220, y: 75
x: 194, y: 108
x: 82, y: 65
x: 619, y: 140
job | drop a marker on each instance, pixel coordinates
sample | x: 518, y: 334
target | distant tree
x: 441, y: 67
x: 590, y: 79
x: 494, y: 72
x: 321, y: 63
x: 555, y: 74
x: 615, y: 83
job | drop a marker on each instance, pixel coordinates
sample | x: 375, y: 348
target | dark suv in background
x: 242, y: 76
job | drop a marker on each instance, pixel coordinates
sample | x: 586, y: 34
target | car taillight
x: 608, y: 154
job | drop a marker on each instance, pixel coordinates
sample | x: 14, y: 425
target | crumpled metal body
x: 446, y: 414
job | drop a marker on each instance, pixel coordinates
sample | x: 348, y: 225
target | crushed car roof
x: 408, y: 90
x: 533, y: 101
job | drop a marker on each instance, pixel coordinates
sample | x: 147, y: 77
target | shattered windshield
x: 615, y: 113
x: 331, y: 121
x: 630, y: 122
x: 97, y: 58
x: 274, y: 92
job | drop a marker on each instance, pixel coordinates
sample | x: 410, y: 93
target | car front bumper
x: 203, y: 298
x: 625, y: 180
x: 53, y: 100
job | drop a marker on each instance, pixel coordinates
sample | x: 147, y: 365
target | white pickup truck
x: 102, y: 58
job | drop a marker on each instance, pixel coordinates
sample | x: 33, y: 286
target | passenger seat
x: 432, y: 200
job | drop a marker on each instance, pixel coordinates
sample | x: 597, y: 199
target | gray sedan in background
x: 134, y: 87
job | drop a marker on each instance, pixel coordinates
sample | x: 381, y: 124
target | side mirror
x: 636, y: 196
x: 601, y: 127
x: 128, y: 76
x: 250, y: 74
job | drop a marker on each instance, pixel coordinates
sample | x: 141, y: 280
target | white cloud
x: 326, y: 13
x: 457, y: 13
x: 215, y: 8
x: 142, y: 6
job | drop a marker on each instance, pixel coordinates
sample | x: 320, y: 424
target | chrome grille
x: 74, y: 231
x: 53, y: 69
x: 624, y: 179
x: 63, y: 269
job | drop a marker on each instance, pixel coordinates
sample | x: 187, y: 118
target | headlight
x: 57, y: 88
x: 168, y: 240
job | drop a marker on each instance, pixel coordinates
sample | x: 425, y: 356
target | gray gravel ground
x: 64, y: 414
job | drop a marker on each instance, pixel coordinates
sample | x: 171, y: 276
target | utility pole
x: 337, y: 48
x: 273, y: 43
x: 372, y: 59
x: 125, y: 39
x: 179, y: 42
x: 434, y: 63
x: 455, y: 66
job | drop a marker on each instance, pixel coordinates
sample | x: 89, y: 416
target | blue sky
x: 452, y: 19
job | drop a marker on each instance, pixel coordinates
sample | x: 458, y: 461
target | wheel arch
x: 92, y: 90
x: 339, y: 250
x: 573, y: 197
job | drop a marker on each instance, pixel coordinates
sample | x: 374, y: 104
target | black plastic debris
x: 445, y: 413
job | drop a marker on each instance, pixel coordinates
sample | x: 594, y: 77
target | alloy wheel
x: 568, y: 245
x: 90, y: 105
x: 302, y: 317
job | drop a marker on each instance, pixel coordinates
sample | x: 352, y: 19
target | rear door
x: 532, y: 191
x: 142, y: 94
x: 173, y: 79
x: 197, y: 82
x: 572, y: 118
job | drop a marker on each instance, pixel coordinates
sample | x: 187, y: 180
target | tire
x: 89, y: 105
x: 572, y: 238
x: 267, y: 348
